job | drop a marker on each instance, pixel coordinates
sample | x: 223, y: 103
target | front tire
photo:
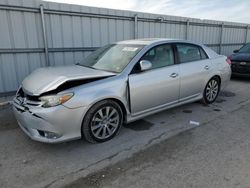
x: 211, y: 90
x: 102, y: 122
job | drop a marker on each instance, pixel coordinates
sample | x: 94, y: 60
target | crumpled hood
x: 49, y: 78
x: 240, y: 57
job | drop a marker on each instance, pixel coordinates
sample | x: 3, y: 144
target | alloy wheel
x: 212, y: 90
x: 105, y: 122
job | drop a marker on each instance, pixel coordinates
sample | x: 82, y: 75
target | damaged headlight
x: 54, y: 100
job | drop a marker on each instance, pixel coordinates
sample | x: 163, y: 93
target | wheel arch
x: 122, y: 105
x: 217, y: 76
x: 210, y: 77
x: 118, y: 101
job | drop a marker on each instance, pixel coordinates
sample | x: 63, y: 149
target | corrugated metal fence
x: 35, y: 34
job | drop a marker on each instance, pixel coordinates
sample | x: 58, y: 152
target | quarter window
x: 160, y: 56
x: 203, y: 54
x: 188, y: 53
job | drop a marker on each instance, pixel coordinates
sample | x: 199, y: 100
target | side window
x: 203, y: 54
x: 160, y: 56
x: 188, y: 53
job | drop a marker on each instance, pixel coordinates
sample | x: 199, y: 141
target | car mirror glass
x: 145, y: 65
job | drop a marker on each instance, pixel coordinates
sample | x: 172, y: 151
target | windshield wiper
x: 95, y: 68
x: 87, y: 66
x: 83, y: 65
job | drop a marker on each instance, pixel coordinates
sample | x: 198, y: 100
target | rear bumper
x: 60, y: 121
x: 225, y: 77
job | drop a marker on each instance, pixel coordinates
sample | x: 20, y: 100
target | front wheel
x: 211, y: 90
x: 102, y: 121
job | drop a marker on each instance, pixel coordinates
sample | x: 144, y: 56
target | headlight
x: 54, y: 100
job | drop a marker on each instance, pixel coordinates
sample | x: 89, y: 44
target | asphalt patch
x: 187, y: 111
x: 140, y: 125
x: 227, y: 94
x: 217, y: 109
x: 7, y: 119
x: 220, y: 100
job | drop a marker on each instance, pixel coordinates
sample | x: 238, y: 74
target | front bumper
x: 64, y: 123
x: 240, y: 70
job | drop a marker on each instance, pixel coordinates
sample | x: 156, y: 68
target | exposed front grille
x: 23, y: 99
x: 29, y: 97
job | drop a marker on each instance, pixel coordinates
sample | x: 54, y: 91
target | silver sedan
x: 119, y: 83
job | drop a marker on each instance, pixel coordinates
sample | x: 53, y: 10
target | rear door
x: 158, y: 86
x: 194, y: 69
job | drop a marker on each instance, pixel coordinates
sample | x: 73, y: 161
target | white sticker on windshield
x: 129, y: 49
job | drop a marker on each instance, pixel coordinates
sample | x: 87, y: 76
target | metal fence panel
x: 234, y: 35
x: 72, y: 32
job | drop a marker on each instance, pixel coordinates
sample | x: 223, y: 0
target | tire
x: 211, y: 90
x: 102, y: 122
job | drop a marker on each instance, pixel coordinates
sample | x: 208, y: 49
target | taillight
x: 228, y: 61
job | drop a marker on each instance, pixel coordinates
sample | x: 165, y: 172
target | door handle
x: 173, y: 75
x: 206, y: 67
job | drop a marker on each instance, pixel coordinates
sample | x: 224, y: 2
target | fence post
x: 246, y: 33
x: 44, y: 36
x: 221, y: 37
x: 187, y: 29
x: 136, y: 26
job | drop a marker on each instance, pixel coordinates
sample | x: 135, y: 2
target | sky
x: 223, y: 10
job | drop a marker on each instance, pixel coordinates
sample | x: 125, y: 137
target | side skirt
x: 131, y: 118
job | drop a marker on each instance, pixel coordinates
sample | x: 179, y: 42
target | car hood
x: 47, y: 79
x: 240, y: 57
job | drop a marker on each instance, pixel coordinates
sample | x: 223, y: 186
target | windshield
x: 245, y: 49
x: 112, y: 57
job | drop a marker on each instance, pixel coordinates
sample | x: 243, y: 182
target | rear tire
x: 102, y: 122
x: 211, y: 90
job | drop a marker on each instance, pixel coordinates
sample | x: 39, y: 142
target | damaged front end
x: 25, y: 108
x: 55, y: 79
x: 44, y: 117
x: 46, y: 124
x: 39, y: 103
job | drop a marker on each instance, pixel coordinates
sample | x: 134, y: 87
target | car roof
x: 148, y: 41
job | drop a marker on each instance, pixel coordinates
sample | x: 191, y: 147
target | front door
x: 158, y: 86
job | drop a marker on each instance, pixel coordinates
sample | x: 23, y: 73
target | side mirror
x: 236, y: 51
x: 145, y: 65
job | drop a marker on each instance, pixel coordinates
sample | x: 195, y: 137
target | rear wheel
x: 102, y: 121
x: 211, y: 90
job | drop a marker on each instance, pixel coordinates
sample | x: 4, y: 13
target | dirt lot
x: 170, y: 151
